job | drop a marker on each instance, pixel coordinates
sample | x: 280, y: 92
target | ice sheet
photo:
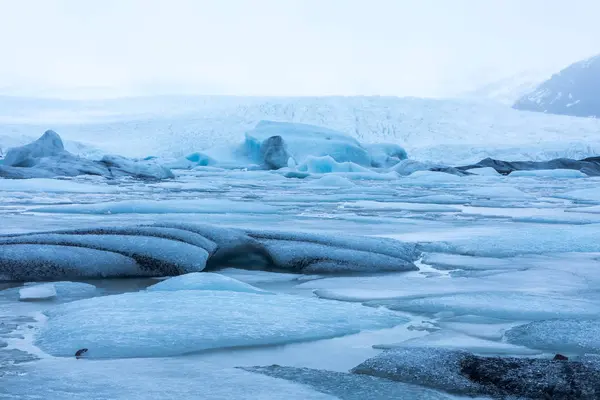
x: 158, y: 324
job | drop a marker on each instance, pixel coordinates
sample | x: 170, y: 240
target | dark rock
x: 274, y: 153
x: 80, y: 353
x: 463, y: 373
x: 589, y: 166
x: 560, y: 357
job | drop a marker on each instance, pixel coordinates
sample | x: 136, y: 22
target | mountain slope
x: 510, y: 89
x: 573, y: 91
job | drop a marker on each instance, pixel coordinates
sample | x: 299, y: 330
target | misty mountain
x: 573, y: 91
x: 508, y: 89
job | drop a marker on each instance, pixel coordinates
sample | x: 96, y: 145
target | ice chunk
x: 520, y: 239
x: 463, y: 373
x: 37, y: 292
x: 176, y: 248
x: 182, y: 378
x: 35, y: 262
x: 50, y: 144
x: 455, y: 261
x: 431, y: 178
x: 234, y: 247
x: 407, y: 167
x: 502, y: 192
x: 201, y: 206
x: 164, y: 232
x: 157, y: 324
x: 385, y: 155
x: 191, y: 161
x: 157, y: 255
x: 487, y: 171
x: 507, y: 305
x: 302, y: 141
x: 590, y: 194
x: 587, y: 210
x: 254, y: 277
x: 137, y: 169
x: 63, y: 291
x: 559, y: 335
x: 350, y: 386
x: 550, y: 173
x: 329, y: 181
x: 368, y: 205
x: 52, y: 186
x: 326, y: 164
x: 458, y: 341
x: 205, y: 281
x: 314, y: 253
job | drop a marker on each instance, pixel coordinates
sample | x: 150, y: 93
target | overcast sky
x: 287, y: 47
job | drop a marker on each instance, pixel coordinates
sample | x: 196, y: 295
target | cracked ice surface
x: 507, y: 266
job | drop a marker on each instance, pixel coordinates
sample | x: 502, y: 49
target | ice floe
x: 167, y: 323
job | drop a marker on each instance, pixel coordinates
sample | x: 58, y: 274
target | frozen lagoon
x: 497, y: 253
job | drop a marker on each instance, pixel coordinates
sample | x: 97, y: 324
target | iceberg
x: 169, y: 323
x: 385, y: 155
x: 154, y: 254
x: 327, y: 164
x: 35, y: 262
x: 205, y: 281
x: 301, y: 141
x: 48, y: 145
x: 191, y: 161
x: 47, y: 158
x: 166, y: 249
x: 318, y: 253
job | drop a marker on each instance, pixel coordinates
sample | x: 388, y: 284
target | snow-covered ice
x: 37, y: 292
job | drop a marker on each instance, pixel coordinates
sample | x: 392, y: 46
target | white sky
x: 286, y: 47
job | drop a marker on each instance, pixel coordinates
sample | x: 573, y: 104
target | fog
x: 428, y: 48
